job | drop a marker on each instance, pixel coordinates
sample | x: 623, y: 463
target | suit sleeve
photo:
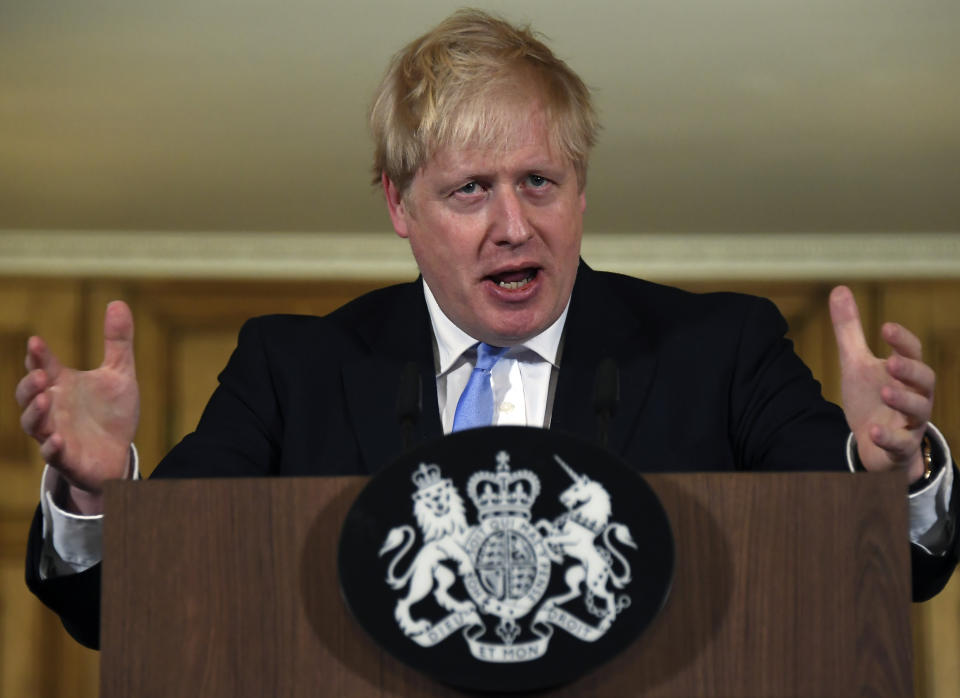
x: 75, y: 597
x: 931, y: 572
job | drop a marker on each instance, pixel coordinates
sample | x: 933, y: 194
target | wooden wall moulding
x: 380, y: 254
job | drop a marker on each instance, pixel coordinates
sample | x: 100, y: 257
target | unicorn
x: 575, y: 533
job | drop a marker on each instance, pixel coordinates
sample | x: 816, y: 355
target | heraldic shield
x: 506, y: 558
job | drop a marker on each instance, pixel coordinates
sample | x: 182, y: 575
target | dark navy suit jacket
x: 707, y: 383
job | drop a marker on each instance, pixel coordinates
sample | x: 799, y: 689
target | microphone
x: 409, y: 402
x: 606, y: 395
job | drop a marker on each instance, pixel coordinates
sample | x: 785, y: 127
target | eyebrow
x: 553, y: 170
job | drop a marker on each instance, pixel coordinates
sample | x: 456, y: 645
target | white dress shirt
x: 523, y: 380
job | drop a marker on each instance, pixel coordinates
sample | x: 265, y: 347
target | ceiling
x: 735, y: 116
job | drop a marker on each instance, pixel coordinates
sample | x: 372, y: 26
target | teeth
x: 513, y: 285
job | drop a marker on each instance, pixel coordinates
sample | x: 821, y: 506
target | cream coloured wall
x: 746, y: 115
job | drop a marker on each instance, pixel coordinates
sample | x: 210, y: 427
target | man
x: 482, y: 142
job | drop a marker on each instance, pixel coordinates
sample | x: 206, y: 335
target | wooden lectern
x: 785, y: 584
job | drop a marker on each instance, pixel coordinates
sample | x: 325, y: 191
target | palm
x: 96, y: 414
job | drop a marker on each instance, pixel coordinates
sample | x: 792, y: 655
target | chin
x: 515, y: 330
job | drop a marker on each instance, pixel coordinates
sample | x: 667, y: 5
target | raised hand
x: 84, y: 421
x: 887, y: 402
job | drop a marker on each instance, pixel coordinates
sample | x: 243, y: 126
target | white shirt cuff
x: 72, y: 542
x: 929, y: 507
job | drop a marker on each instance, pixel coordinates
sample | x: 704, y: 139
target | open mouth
x: 514, y: 280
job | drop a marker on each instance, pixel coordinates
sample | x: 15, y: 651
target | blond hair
x: 471, y: 81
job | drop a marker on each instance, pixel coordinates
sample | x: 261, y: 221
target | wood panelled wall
x: 185, y: 332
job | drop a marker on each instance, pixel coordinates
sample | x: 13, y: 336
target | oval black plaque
x: 506, y: 558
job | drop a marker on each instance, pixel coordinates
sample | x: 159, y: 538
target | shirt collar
x: 452, y: 342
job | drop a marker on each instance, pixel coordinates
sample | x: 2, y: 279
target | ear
x: 583, y: 202
x: 396, y: 205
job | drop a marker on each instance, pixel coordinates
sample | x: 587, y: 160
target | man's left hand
x: 887, y: 402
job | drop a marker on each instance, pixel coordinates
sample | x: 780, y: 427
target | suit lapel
x: 401, y: 334
x: 599, y: 325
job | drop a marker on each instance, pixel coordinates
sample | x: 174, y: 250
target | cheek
x: 446, y: 254
x: 564, y: 227
x: 432, y: 234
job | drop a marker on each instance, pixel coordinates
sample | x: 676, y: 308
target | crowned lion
x: 440, y: 514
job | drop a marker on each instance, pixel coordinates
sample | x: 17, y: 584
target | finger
x: 118, y: 337
x: 846, y: 325
x: 914, y: 374
x: 34, y: 417
x: 40, y: 356
x: 30, y: 386
x: 902, y: 340
x: 52, y: 450
x: 915, y: 408
x: 900, y: 444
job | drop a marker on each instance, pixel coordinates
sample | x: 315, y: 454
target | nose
x: 511, y: 224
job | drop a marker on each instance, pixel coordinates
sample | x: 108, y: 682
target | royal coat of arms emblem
x: 505, y: 560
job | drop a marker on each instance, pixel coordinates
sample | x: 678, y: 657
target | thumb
x: 118, y: 337
x: 846, y: 325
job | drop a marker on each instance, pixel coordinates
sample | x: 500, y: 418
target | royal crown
x: 426, y: 476
x: 503, y: 493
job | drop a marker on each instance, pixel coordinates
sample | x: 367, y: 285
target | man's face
x: 496, y: 233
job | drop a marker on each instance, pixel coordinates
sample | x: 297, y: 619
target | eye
x: 470, y: 193
x: 537, y: 181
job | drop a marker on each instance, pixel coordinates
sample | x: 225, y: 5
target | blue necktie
x: 475, y: 408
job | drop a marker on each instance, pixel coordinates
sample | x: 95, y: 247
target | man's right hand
x: 84, y: 421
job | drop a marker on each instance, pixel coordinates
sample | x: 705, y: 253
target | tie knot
x: 488, y: 355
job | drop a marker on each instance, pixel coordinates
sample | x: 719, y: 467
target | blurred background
x: 208, y: 160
